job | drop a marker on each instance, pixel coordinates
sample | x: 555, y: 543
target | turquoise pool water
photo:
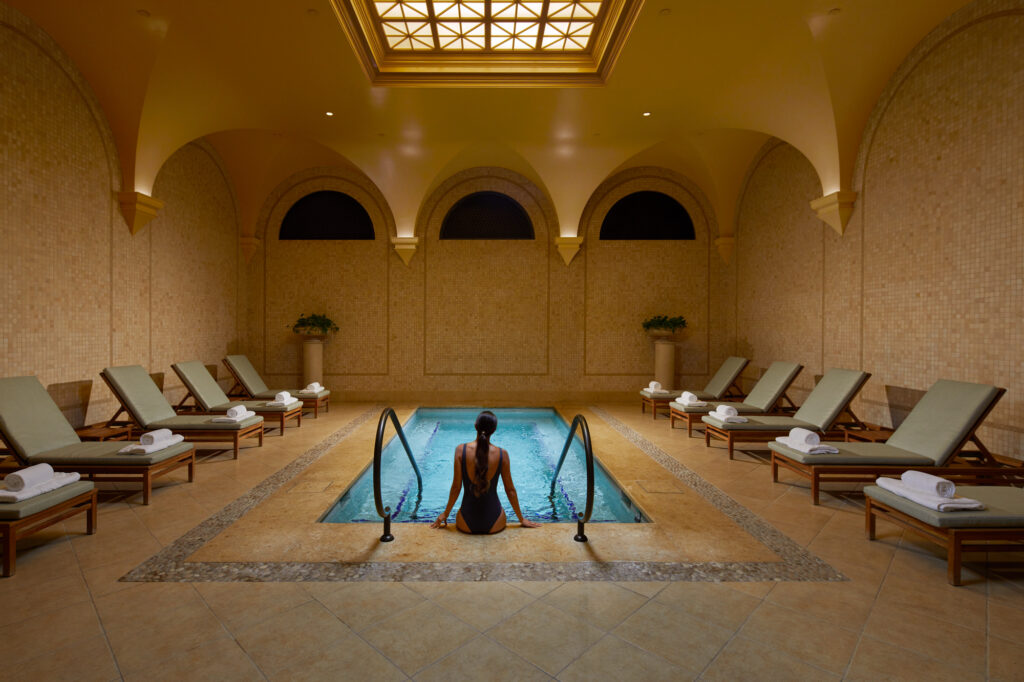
x: 534, y: 438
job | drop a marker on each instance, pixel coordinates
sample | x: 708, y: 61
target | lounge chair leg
x: 261, y: 435
x: 10, y: 546
x: 775, y: 469
x: 869, y: 519
x: 707, y: 437
x: 729, y: 441
x: 192, y: 467
x: 147, y: 487
x: 282, y: 425
x: 814, y: 487
x: 91, y: 515
x: 953, y: 557
x: 236, y: 445
x: 689, y: 428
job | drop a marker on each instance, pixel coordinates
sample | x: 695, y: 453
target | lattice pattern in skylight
x: 487, y: 25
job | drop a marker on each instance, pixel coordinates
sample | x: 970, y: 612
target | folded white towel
x: 942, y: 504
x: 224, y: 419
x: 726, y: 411
x: 928, y: 483
x: 691, y: 400
x: 58, y: 480
x: 314, y: 387
x: 804, y: 436
x: 152, y: 437
x: 654, y: 386
x: 236, y: 411
x: 820, y: 449
x: 29, y: 477
x: 144, y: 449
x: 282, y: 396
x: 291, y: 401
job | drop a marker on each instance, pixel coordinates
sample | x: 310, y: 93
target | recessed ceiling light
x: 646, y: 114
x: 142, y: 12
x: 329, y: 113
x: 665, y: 11
x: 312, y: 12
x: 835, y: 10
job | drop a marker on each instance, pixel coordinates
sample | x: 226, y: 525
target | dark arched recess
x: 647, y: 215
x: 326, y: 215
x: 487, y: 215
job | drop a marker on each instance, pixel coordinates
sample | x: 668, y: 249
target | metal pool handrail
x: 580, y: 421
x: 378, y: 444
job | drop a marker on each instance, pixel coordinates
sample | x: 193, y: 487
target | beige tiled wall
x: 928, y: 280
x: 79, y: 292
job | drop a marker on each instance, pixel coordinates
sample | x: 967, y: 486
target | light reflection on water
x: 533, y: 437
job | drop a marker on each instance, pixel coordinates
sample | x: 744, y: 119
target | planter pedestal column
x: 312, y: 360
x: 665, y: 363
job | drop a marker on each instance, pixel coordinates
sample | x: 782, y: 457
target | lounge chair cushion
x: 856, y: 453
x: 943, y: 418
x: 772, y: 384
x: 722, y: 379
x: 269, y: 395
x: 741, y: 408
x: 12, y: 511
x: 105, y: 454
x: 201, y: 384
x: 664, y: 395
x: 257, y: 406
x: 198, y: 422
x: 30, y: 419
x: 830, y: 397
x: 139, y: 394
x: 247, y: 374
x: 761, y: 423
x: 1004, y: 507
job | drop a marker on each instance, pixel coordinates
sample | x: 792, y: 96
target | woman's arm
x: 510, y: 492
x: 453, y: 494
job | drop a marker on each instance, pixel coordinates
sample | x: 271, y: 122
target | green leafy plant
x: 314, y: 324
x: 664, y: 322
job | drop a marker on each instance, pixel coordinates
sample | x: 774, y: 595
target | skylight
x: 484, y: 42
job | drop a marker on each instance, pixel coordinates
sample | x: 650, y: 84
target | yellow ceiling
x: 255, y: 78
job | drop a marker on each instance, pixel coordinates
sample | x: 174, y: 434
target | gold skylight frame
x: 487, y: 42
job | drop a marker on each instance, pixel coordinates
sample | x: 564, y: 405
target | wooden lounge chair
x: 767, y: 397
x: 249, y: 384
x: 821, y: 412
x: 208, y: 398
x: 931, y: 437
x: 997, y: 528
x: 148, y: 410
x: 721, y: 386
x: 21, y: 519
x: 37, y: 432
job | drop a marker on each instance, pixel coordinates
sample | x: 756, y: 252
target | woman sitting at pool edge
x: 477, y: 467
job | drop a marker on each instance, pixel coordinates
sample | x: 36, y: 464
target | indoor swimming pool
x: 534, y: 438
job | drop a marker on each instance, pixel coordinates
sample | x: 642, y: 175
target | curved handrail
x: 581, y: 422
x: 378, y: 445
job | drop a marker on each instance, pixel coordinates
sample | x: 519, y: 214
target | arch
x: 326, y: 214
x: 486, y: 215
x: 662, y: 218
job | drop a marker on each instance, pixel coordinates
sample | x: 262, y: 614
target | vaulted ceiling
x: 256, y: 78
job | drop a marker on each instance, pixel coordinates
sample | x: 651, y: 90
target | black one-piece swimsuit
x: 480, y: 513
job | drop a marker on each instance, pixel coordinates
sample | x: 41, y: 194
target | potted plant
x: 662, y: 325
x: 314, y: 325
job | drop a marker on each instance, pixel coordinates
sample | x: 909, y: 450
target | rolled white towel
x: 144, y: 449
x: 291, y: 401
x: 654, y: 386
x: 688, y: 398
x: 726, y: 411
x: 820, y: 449
x: 804, y: 437
x: 236, y: 411
x: 37, y: 474
x: 152, y: 437
x: 928, y: 483
x: 224, y: 419
x: 314, y: 387
x: 282, y: 397
x: 58, y: 480
x: 942, y: 504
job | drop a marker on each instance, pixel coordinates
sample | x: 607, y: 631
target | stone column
x: 312, y: 360
x: 665, y: 363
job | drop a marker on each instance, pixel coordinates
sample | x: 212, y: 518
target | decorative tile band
x: 169, y: 565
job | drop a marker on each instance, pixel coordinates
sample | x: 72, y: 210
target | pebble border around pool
x: 169, y: 565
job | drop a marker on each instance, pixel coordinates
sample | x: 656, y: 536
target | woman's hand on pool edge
x: 440, y: 522
x: 527, y: 523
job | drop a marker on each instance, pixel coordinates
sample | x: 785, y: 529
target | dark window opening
x: 647, y: 215
x: 487, y: 215
x: 326, y: 215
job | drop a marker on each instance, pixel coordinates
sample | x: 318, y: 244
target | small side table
x: 873, y: 433
x: 104, y: 432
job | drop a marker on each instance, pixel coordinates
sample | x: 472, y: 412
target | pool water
x: 533, y: 437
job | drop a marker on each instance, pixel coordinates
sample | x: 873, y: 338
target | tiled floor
x: 65, y: 615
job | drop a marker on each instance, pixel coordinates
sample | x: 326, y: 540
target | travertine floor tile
x: 360, y: 605
x: 280, y: 641
x: 745, y: 659
x: 877, y: 660
x: 50, y: 631
x: 163, y: 635
x: 416, y: 637
x: 603, y: 605
x: 482, y: 658
x: 613, y: 657
x: 222, y: 660
x: 84, y: 660
x: 793, y: 633
x: 928, y: 636
x: 241, y: 605
x: 676, y: 636
x: 718, y: 604
x: 545, y: 636
x: 348, y: 657
x: 481, y: 605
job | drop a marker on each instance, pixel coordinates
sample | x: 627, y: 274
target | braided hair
x: 485, y: 425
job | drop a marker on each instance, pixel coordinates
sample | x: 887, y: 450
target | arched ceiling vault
x: 806, y: 71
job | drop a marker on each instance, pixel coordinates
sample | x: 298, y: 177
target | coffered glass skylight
x: 482, y: 25
x: 485, y: 42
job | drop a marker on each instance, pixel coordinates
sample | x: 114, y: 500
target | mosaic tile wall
x: 79, y: 292
x: 928, y: 280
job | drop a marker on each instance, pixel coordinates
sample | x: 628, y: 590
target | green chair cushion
x: 30, y: 420
x: 202, y: 385
x: 723, y: 378
x: 830, y: 397
x: 257, y: 406
x: 105, y: 453
x: 761, y: 423
x: 943, y: 418
x: 772, y: 384
x: 742, y: 408
x: 139, y: 394
x: 868, y: 454
x: 1004, y: 507
x: 660, y: 396
x: 269, y: 395
x: 198, y: 422
x: 247, y: 374
x: 12, y: 511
